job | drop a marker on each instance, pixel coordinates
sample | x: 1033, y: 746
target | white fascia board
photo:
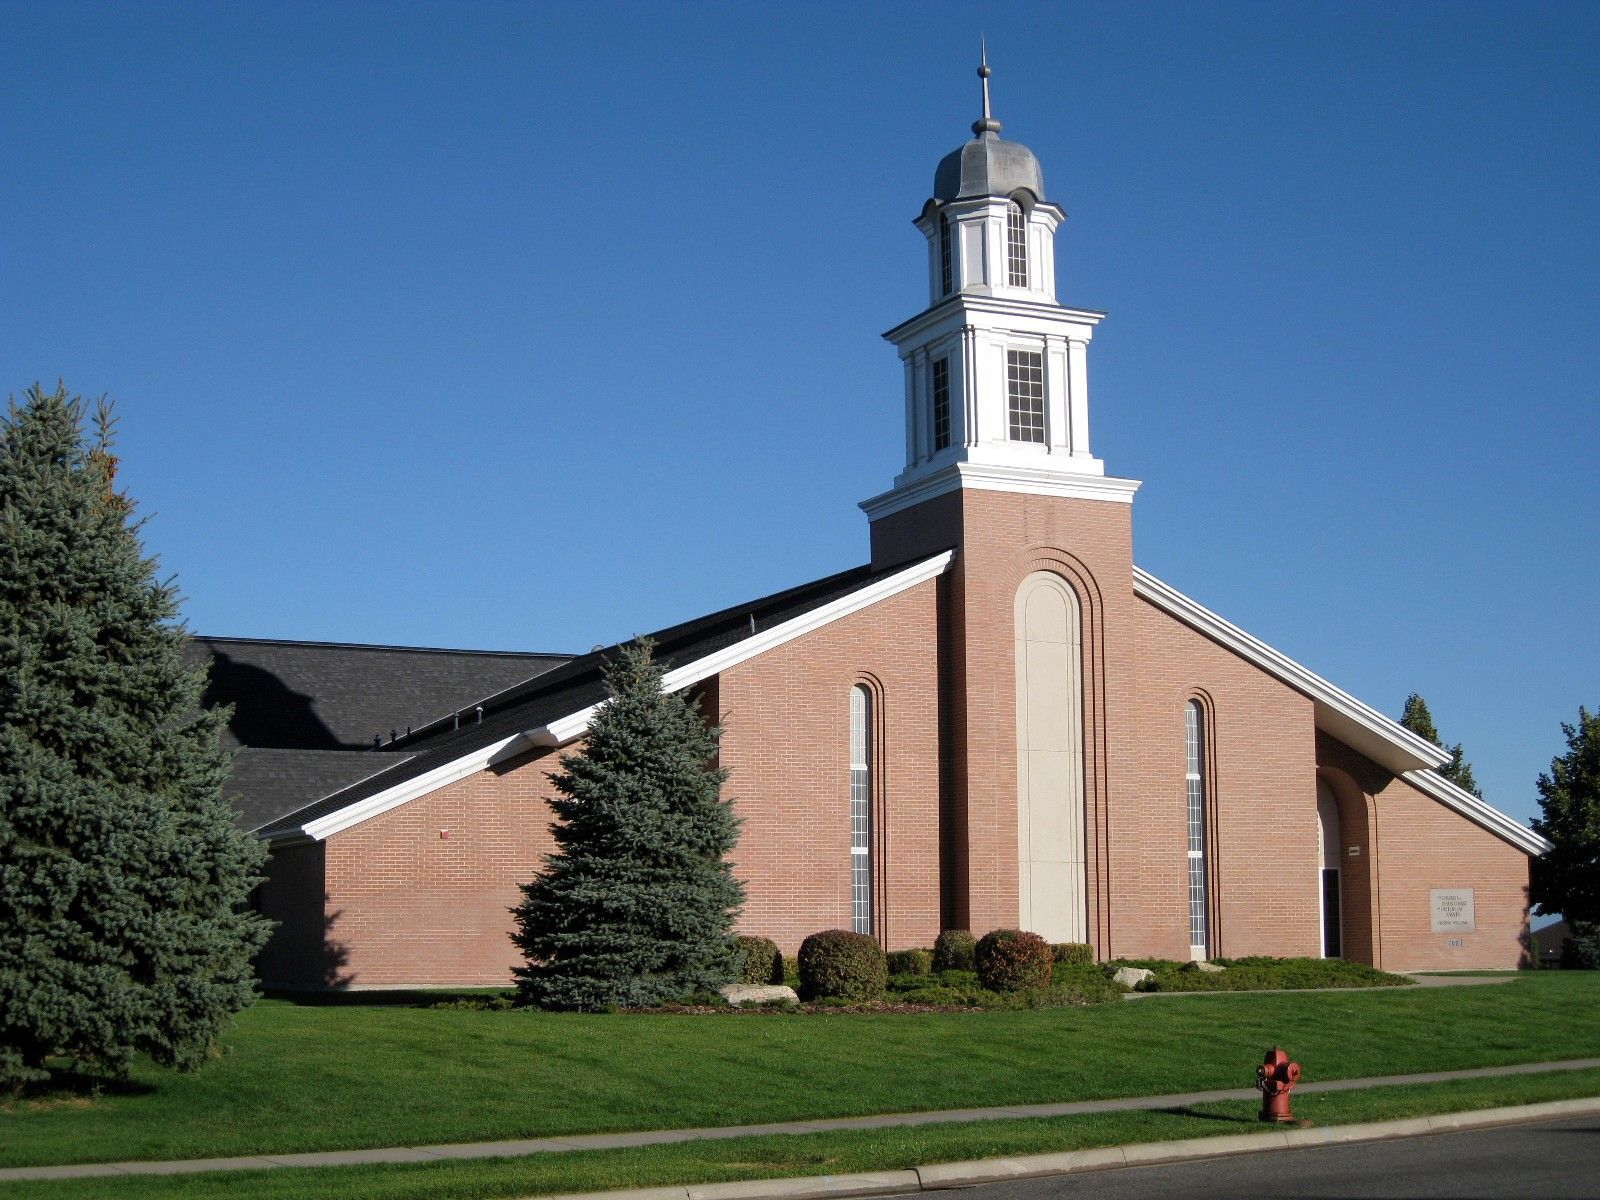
x: 420, y: 785
x: 1363, y: 728
x: 1432, y: 784
x: 572, y: 726
x: 569, y: 728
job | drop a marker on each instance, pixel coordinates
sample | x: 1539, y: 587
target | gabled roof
x: 554, y: 708
x: 1386, y: 742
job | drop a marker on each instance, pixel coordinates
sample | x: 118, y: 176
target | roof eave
x: 569, y: 728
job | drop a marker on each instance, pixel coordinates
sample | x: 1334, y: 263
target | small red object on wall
x: 1276, y: 1077
x: 444, y: 835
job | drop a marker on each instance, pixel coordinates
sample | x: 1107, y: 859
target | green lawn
x: 807, y: 1154
x: 346, y: 1076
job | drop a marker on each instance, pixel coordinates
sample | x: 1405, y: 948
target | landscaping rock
x: 1132, y: 976
x: 1210, y: 968
x: 739, y: 994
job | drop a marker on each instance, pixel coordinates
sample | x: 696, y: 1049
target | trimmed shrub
x: 910, y: 962
x: 1580, y: 949
x: 1009, y: 960
x: 1073, y: 953
x: 839, y: 963
x: 762, y: 961
x: 952, y: 950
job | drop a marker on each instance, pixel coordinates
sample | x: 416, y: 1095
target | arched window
x: 861, y: 809
x: 946, y: 271
x: 1194, y: 775
x: 1016, y: 245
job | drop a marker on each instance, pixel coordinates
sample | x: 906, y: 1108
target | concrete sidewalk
x: 610, y: 1141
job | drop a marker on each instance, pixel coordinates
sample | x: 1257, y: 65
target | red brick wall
x: 1003, y: 537
x: 1414, y: 844
x: 786, y: 745
x: 407, y: 905
x: 1262, y: 804
x: 291, y: 893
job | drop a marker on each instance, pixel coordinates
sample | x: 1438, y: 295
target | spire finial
x: 986, y: 124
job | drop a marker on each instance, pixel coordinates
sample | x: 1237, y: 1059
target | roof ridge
x: 260, y: 641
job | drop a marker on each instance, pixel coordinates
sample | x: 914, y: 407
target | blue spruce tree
x: 123, y: 882
x: 637, y: 905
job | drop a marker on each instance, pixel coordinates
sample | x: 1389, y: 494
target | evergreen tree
x: 122, y: 878
x: 1419, y: 720
x: 1567, y: 879
x: 637, y: 905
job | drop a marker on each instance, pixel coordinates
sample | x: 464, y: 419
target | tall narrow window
x: 860, y: 809
x: 946, y: 272
x: 941, y: 404
x: 1025, y: 396
x: 1016, y: 245
x: 1195, y: 777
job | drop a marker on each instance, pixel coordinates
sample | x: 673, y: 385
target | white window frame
x: 861, y: 800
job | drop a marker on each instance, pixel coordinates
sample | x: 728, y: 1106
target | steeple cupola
x: 997, y: 391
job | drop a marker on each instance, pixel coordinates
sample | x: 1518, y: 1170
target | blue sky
x: 535, y: 326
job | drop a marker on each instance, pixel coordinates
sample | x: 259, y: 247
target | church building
x: 997, y: 720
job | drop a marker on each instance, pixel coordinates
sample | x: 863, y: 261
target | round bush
x: 762, y: 961
x: 1077, y: 954
x: 952, y: 950
x: 1010, y: 960
x: 838, y: 963
x: 910, y: 962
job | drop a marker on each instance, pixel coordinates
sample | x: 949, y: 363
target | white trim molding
x: 1436, y: 786
x: 566, y: 729
x: 1361, y: 727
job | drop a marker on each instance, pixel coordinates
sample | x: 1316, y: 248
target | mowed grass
x: 342, y: 1077
x: 805, y: 1154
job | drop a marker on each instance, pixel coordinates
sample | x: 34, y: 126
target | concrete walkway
x: 611, y: 1141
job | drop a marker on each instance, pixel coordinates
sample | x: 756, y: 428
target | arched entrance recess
x: 1051, y: 879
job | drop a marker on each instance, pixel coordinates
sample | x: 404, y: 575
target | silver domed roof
x: 988, y: 165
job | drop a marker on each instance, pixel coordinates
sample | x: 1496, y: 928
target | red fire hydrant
x: 1276, y: 1077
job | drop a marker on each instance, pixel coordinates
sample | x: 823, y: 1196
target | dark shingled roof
x: 336, y: 696
x: 266, y: 782
x: 576, y: 685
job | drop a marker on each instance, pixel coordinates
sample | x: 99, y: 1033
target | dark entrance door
x: 1330, y: 913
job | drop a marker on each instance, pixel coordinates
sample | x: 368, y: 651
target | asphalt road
x: 1558, y: 1160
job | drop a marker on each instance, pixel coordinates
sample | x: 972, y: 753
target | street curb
x: 939, y: 1176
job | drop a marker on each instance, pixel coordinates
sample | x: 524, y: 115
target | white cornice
x: 1433, y: 784
x: 1028, y: 311
x: 572, y: 726
x: 1360, y: 726
x: 992, y: 477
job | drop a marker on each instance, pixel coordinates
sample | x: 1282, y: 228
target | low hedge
x: 953, y: 950
x: 910, y: 962
x: 841, y: 964
x: 763, y: 962
x: 1258, y: 973
x: 1013, y: 960
x: 1073, y: 953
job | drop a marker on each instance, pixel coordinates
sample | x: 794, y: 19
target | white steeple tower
x: 996, y: 370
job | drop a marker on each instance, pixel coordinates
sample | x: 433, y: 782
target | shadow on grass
x: 66, y: 1085
x: 1201, y: 1115
x: 397, y: 998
